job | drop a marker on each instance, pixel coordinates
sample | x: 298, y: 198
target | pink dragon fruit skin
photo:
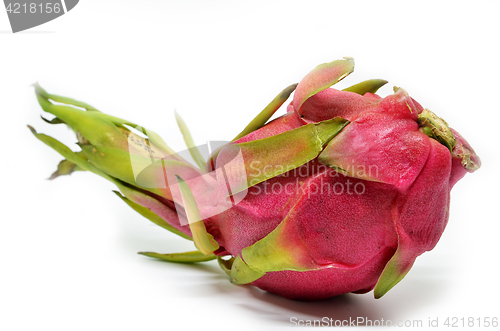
x: 352, y: 218
x: 347, y: 242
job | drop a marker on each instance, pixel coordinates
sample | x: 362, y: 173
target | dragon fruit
x: 340, y: 194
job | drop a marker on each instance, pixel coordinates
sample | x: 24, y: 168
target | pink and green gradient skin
x: 293, y: 233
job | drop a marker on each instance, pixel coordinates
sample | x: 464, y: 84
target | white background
x: 68, y: 247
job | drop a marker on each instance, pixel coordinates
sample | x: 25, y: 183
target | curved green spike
x: 242, y: 273
x: 321, y: 78
x: 225, y: 265
x: 94, y: 128
x: 187, y: 257
x: 267, y: 112
x: 147, y: 213
x: 68, y: 154
x: 66, y: 167
x: 368, y: 86
x: 203, y: 240
x: 61, y: 99
x: 395, y: 270
x: 74, y: 157
x: 188, y: 139
x: 55, y: 120
x: 270, y: 157
x: 282, y: 249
